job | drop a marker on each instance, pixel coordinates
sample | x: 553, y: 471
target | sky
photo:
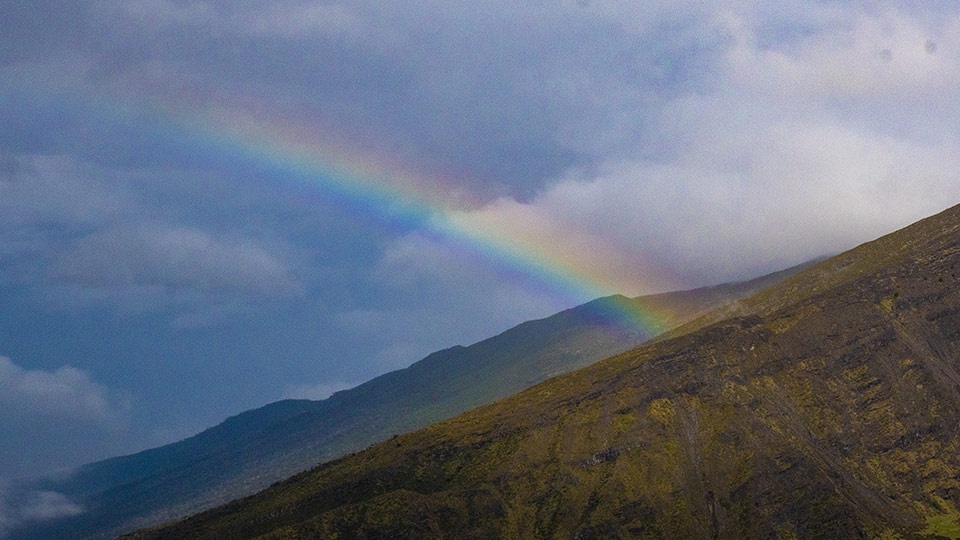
x: 207, y: 206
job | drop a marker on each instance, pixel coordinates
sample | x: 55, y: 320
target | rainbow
x: 387, y: 190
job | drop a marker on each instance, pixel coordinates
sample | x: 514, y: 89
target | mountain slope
x: 250, y: 451
x: 832, y: 411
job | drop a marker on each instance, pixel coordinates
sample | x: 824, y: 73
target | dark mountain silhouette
x: 248, y: 452
x: 827, y: 406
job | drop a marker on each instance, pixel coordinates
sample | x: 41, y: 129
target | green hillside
x: 829, y: 408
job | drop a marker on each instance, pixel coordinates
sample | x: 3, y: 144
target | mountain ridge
x: 251, y: 450
x: 832, y: 414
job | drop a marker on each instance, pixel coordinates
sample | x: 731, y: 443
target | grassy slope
x: 830, y: 409
x: 248, y: 452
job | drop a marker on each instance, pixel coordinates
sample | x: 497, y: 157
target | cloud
x: 580, y: 84
x: 43, y: 505
x: 18, y: 506
x: 873, y: 74
x: 569, y: 231
x: 46, y: 202
x: 82, y: 234
x: 422, y: 82
x: 190, y: 276
x: 798, y: 148
x: 177, y: 257
x: 63, y: 416
x: 799, y: 191
x: 58, y: 190
x: 65, y: 393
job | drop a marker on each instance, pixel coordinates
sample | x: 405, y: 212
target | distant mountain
x: 248, y: 452
x: 828, y: 406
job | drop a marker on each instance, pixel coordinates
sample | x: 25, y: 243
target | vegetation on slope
x: 829, y: 413
x: 829, y: 273
x: 250, y: 451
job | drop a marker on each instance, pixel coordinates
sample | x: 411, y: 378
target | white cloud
x: 796, y: 150
x: 63, y: 417
x: 887, y: 55
x: 64, y: 393
x: 799, y: 191
x: 569, y: 232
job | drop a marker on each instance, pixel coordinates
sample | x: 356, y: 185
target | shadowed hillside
x: 250, y: 451
x: 829, y: 408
